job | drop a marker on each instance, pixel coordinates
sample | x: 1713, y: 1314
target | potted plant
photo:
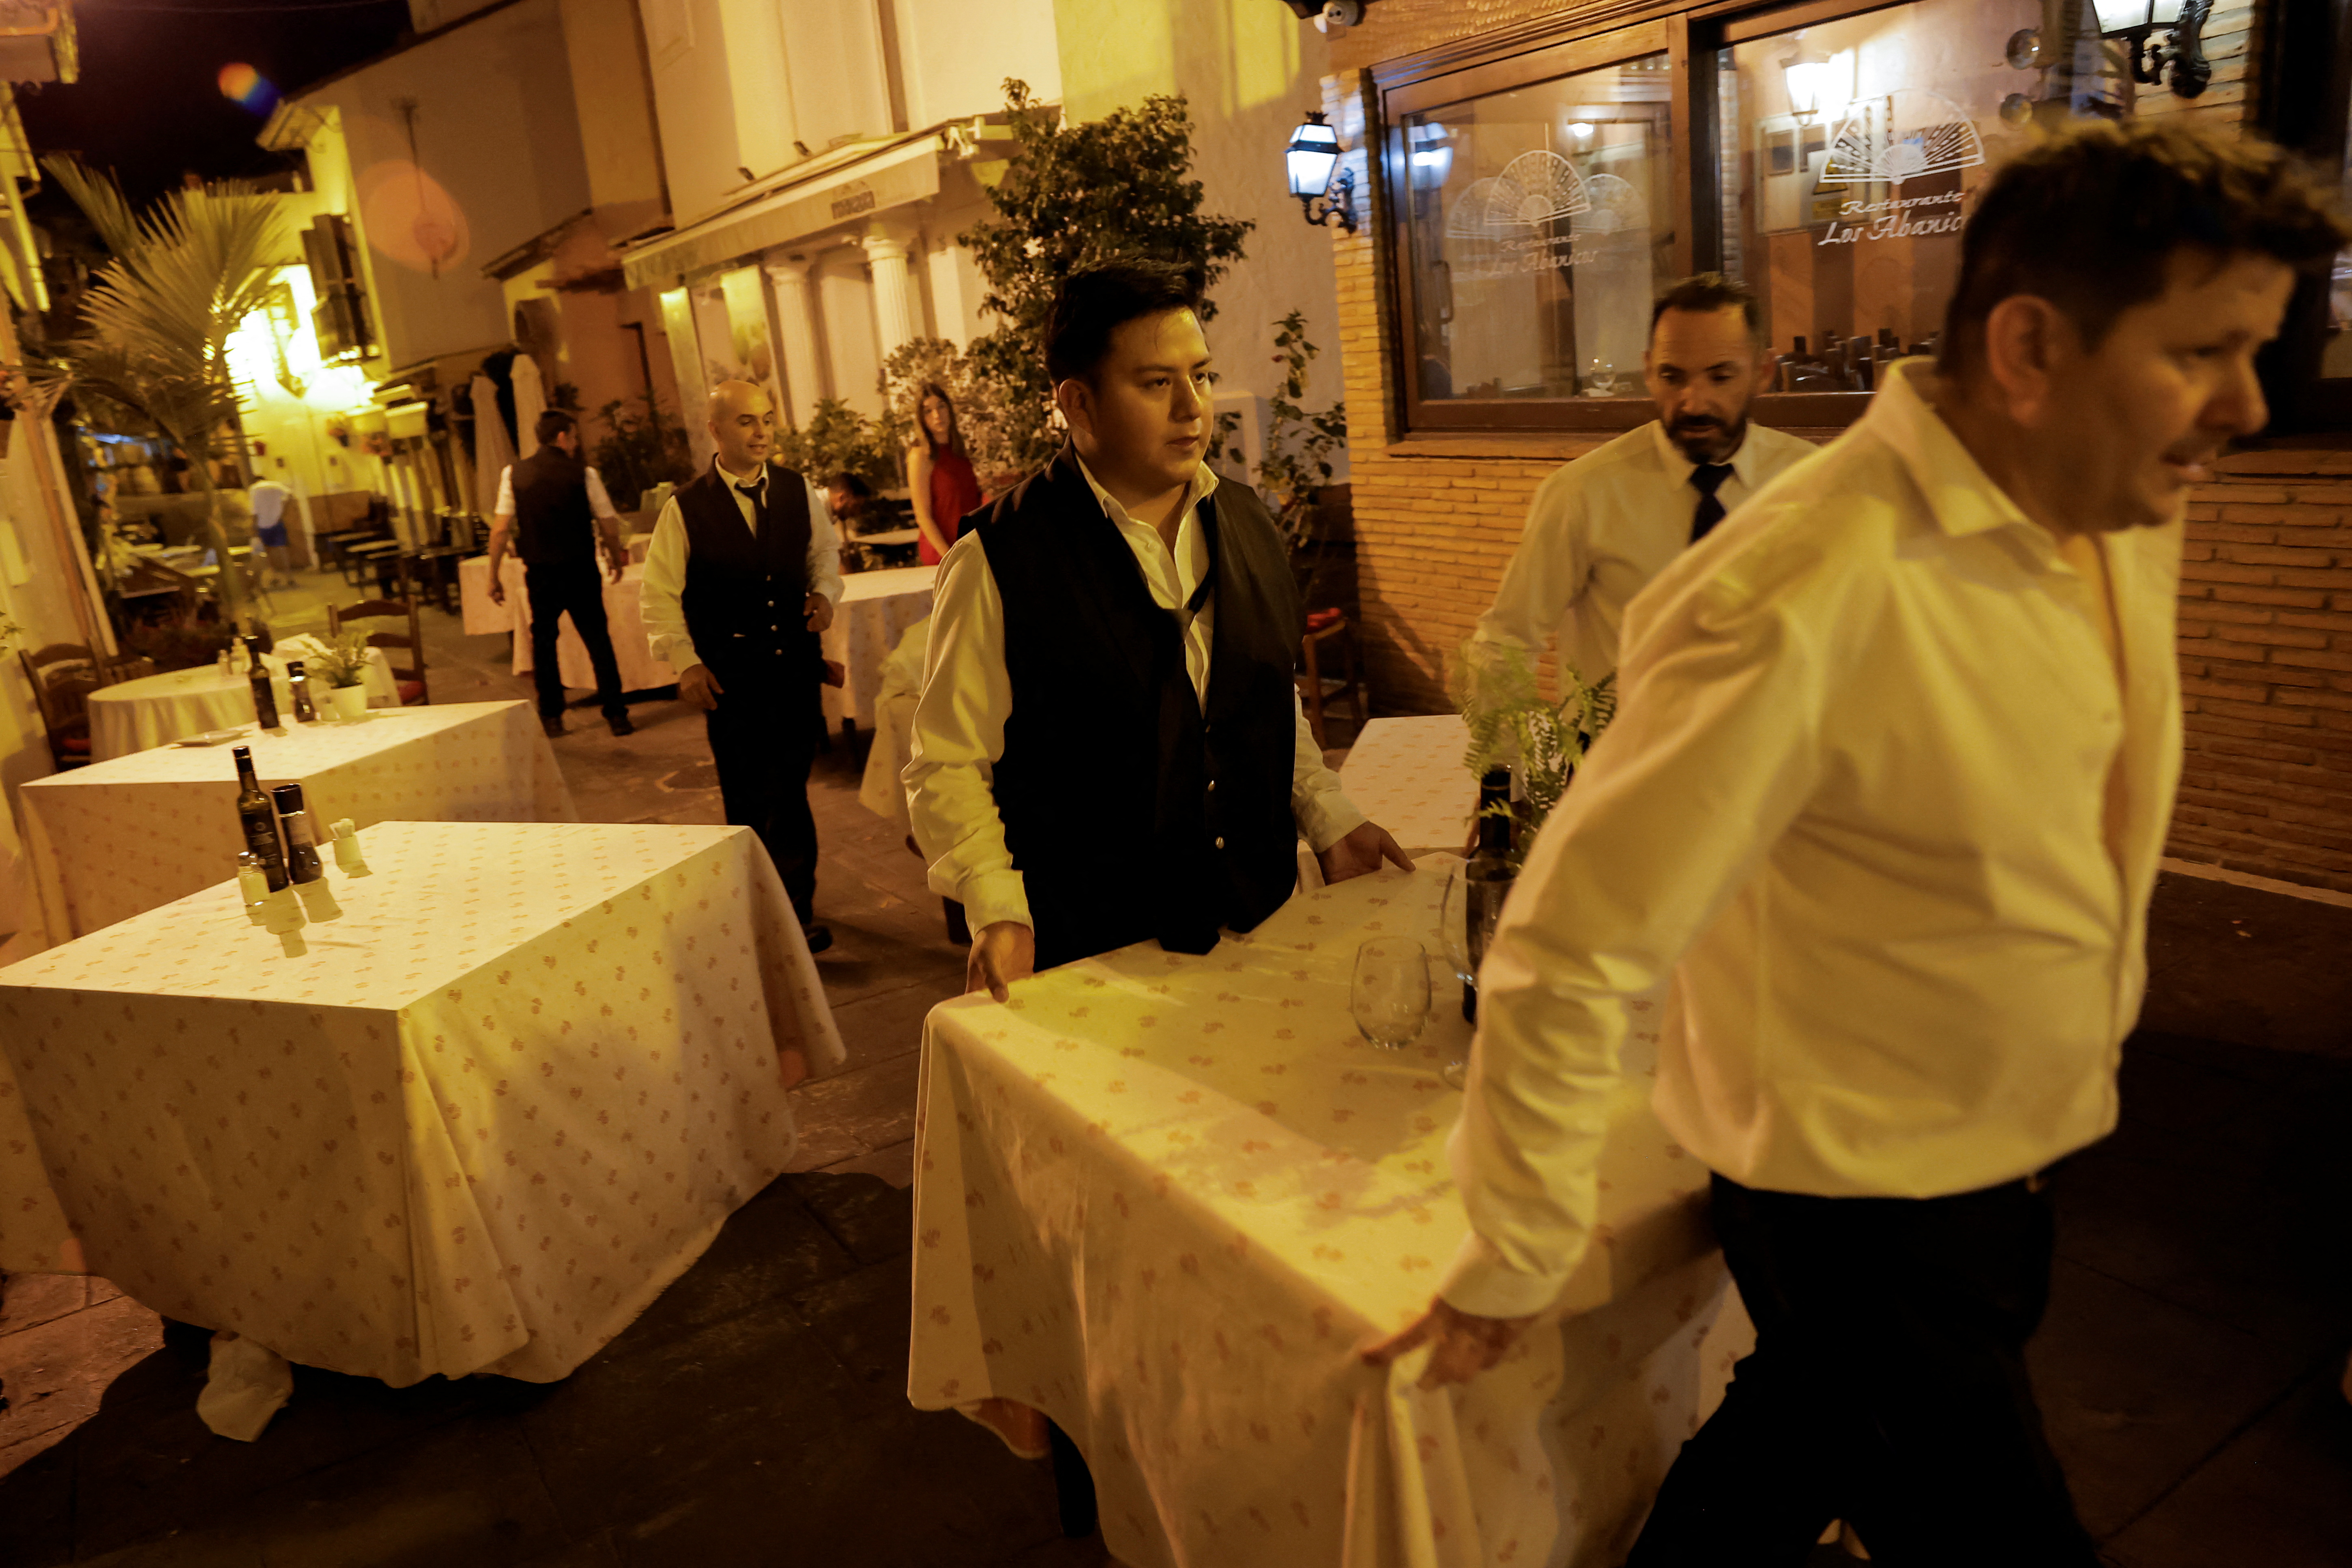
x: 343, y: 667
x: 1512, y: 725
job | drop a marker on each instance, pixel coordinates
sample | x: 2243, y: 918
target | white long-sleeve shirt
x: 959, y: 733
x: 1601, y: 528
x: 1857, y: 801
x: 659, y: 601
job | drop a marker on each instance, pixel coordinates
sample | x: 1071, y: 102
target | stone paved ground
x: 756, y: 1415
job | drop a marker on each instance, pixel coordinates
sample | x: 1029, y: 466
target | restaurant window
x: 1537, y: 218
x: 1853, y: 150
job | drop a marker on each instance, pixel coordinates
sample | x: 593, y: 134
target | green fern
x: 1512, y: 724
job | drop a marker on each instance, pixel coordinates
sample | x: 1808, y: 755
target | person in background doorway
x: 1886, y: 796
x: 1602, y: 527
x: 845, y: 499
x: 268, y: 500
x: 555, y: 506
x: 740, y: 580
x: 938, y: 475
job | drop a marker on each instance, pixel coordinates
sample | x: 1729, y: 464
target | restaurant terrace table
x: 1407, y: 776
x: 119, y: 838
x: 1163, y: 1198
x: 155, y: 709
x: 624, y: 621
x: 474, y: 1124
x: 876, y: 607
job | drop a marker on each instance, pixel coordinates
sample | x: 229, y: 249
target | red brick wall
x: 2266, y: 669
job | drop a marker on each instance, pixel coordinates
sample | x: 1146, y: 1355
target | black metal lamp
x: 1325, y: 191
x: 2181, y: 54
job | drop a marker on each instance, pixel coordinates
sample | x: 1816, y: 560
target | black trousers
x: 763, y: 737
x: 576, y: 589
x: 1887, y: 1388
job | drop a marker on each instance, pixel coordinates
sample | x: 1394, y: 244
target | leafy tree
x: 155, y: 358
x: 839, y: 439
x: 644, y: 447
x: 1298, y: 445
x: 1073, y: 196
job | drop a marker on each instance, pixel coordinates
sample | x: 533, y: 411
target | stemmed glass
x: 1390, y: 996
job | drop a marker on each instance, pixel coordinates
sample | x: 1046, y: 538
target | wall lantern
x: 2182, y: 22
x: 1806, y: 72
x: 1325, y: 191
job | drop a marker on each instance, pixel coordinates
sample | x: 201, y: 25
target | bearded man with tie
x: 740, y: 579
x: 1601, y: 528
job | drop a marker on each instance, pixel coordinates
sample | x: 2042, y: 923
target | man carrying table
x: 1887, y: 794
x: 1109, y: 747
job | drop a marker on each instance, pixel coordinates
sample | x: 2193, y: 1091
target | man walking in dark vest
x: 1109, y: 746
x: 556, y: 507
x: 740, y: 579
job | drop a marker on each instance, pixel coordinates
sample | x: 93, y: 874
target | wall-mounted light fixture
x: 1806, y: 72
x: 2181, y: 57
x: 1325, y: 191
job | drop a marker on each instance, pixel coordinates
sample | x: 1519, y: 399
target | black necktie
x: 758, y: 491
x: 1707, y: 478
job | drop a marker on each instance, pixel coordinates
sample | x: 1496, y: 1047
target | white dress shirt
x: 959, y: 733
x: 599, y: 503
x: 1601, y: 528
x: 664, y: 577
x: 1857, y: 802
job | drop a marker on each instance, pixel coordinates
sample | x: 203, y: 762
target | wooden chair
x: 63, y: 675
x: 1316, y: 688
x: 129, y: 666
x: 411, y: 680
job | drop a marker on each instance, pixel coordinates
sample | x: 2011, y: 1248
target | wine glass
x: 1390, y: 997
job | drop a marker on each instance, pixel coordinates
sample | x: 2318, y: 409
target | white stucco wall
x: 954, y: 55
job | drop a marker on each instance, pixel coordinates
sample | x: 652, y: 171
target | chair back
x: 131, y: 667
x: 411, y: 677
x: 62, y: 676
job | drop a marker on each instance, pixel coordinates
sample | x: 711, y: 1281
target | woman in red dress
x: 940, y: 475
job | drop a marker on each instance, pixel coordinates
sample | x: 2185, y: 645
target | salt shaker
x: 252, y: 882
x: 348, y: 858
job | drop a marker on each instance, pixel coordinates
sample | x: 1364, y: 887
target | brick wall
x: 2266, y: 669
x: 2267, y: 611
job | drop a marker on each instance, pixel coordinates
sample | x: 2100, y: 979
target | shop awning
x: 885, y: 176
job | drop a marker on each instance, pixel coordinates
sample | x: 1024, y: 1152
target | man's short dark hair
x: 1706, y: 293
x: 1096, y: 302
x: 552, y: 424
x: 2090, y: 220
x: 857, y: 489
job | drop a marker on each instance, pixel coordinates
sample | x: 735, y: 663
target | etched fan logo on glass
x: 1909, y: 133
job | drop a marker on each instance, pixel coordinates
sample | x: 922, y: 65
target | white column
x: 894, y: 288
x: 796, y: 327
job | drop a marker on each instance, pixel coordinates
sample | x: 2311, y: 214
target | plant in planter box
x: 345, y: 661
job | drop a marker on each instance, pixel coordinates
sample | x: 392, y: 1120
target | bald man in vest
x: 741, y: 578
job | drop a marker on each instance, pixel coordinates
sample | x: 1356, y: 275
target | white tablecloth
x: 879, y: 791
x: 1407, y: 776
x: 1162, y: 1199
x: 474, y: 1124
x: 119, y: 838
x: 624, y: 621
x: 156, y: 709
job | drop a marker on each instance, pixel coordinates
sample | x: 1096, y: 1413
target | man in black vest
x: 557, y: 506
x: 1109, y: 746
x: 742, y: 576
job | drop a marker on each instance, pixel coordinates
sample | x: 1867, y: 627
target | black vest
x: 1130, y: 813
x: 744, y: 596
x: 554, y: 523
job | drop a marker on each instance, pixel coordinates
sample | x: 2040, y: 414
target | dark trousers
x: 1887, y: 1388
x: 576, y: 589
x: 764, y: 738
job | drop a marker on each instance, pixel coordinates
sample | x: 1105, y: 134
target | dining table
x: 119, y: 838
x: 1407, y: 776
x: 154, y: 710
x: 1164, y: 1198
x: 471, y: 1114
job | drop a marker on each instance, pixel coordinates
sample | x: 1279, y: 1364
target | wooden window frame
x: 1691, y: 36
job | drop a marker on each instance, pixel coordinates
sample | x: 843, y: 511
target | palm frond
x: 101, y: 199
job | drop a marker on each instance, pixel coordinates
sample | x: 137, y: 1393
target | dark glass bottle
x: 297, y: 683
x: 265, y: 700
x: 258, y: 821
x: 1487, y: 879
x: 302, y: 863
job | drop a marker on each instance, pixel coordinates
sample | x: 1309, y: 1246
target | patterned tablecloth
x: 1162, y: 1199
x: 156, y: 709
x: 476, y: 1123
x: 114, y: 839
x: 1407, y: 776
x: 874, y: 607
